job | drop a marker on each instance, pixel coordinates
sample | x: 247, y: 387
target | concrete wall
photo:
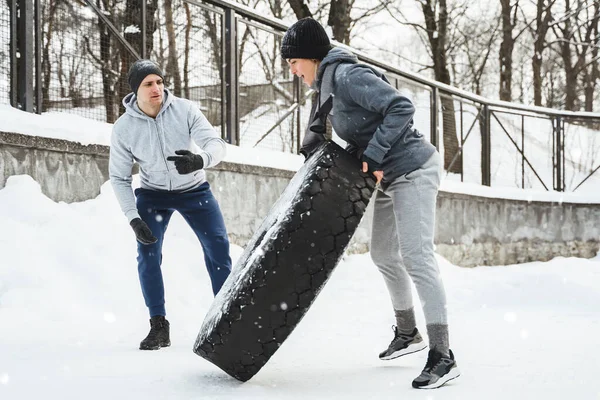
x: 66, y: 171
x: 471, y: 230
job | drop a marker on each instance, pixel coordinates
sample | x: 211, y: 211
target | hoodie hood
x: 132, y: 108
x: 334, y: 56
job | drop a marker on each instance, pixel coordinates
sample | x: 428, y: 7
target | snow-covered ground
x: 72, y: 311
x: 73, y: 315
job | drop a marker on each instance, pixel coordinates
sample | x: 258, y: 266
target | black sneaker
x: 438, y: 370
x: 403, y: 344
x: 158, y: 336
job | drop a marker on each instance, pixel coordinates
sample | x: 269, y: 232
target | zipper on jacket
x: 163, y: 153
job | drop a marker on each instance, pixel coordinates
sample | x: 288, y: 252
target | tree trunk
x: 46, y: 64
x: 186, y: 54
x: 437, y: 34
x: 300, y: 9
x: 133, y: 17
x: 59, y: 69
x: 108, y: 80
x: 340, y: 21
x: 567, y: 56
x: 161, y: 49
x: 543, y: 16
x: 506, y: 50
x: 536, y: 66
x: 212, y: 31
x: 592, y: 70
x: 570, y: 79
x: 151, y: 25
x: 172, y: 63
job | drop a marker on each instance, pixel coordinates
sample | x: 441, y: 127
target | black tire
x: 286, y: 263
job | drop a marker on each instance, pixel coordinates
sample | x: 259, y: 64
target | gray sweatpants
x: 402, y: 240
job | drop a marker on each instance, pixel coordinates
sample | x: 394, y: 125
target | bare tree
x: 478, y: 44
x: 107, y: 62
x: 440, y: 37
x: 132, y: 33
x: 186, y: 53
x: 553, y: 81
x: 339, y: 19
x: 160, y: 49
x: 436, y: 24
x: 172, y: 63
x: 574, y: 39
x: 69, y: 71
x: 509, y: 17
x: 590, y: 71
x: 48, y: 20
x: 340, y: 16
x: 509, y: 20
x: 543, y: 17
x: 300, y: 8
x: 212, y: 30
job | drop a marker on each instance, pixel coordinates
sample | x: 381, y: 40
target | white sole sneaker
x: 453, y: 374
x: 412, y: 348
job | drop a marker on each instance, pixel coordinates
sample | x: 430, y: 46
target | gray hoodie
x: 136, y: 137
x: 371, y: 115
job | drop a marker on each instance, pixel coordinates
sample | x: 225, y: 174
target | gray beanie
x: 139, y: 70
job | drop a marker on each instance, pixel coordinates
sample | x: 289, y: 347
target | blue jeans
x: 202, y: 213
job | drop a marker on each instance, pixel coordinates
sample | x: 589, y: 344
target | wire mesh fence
x: 460, y: 139
x: 193, y: 62
x: 526, y: 143
x: 5, y: 38
x: 79, y: 72
x: 207, y: 48
x: 581, y: 148
x: 266, y: 90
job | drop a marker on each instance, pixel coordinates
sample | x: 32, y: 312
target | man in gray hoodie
x: 377, y: 123
x: 173, y: 143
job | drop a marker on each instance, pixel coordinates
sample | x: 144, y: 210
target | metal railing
x: 74, y: 58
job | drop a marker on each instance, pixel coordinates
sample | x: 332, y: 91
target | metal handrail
x: 275, y: 23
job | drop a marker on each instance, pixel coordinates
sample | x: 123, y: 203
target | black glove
x: 373, y: 165
x: 315, y: 134
x: 186, y: 161
x: 354, y: 151
x: 142, y: 233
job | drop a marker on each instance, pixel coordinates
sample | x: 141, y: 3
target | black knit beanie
x: 139, y: 70
x: 305, y: 39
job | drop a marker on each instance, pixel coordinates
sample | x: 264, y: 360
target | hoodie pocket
x: 185, y: 181
x: 157, y: 179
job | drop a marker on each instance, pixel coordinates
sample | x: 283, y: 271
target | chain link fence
x: 5, y: 38
x: 266, y: 90
x: 225, y: 58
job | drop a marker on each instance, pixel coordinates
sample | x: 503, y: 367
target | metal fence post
x: 231, y: 76
x: 25, y: 62
x: 434, y: 128
x: 486, y: 148
x: 559, y: 165
x: 144, y: 41
x: 12, y: 4
x: 523, y: 148
x: 38, y: 57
